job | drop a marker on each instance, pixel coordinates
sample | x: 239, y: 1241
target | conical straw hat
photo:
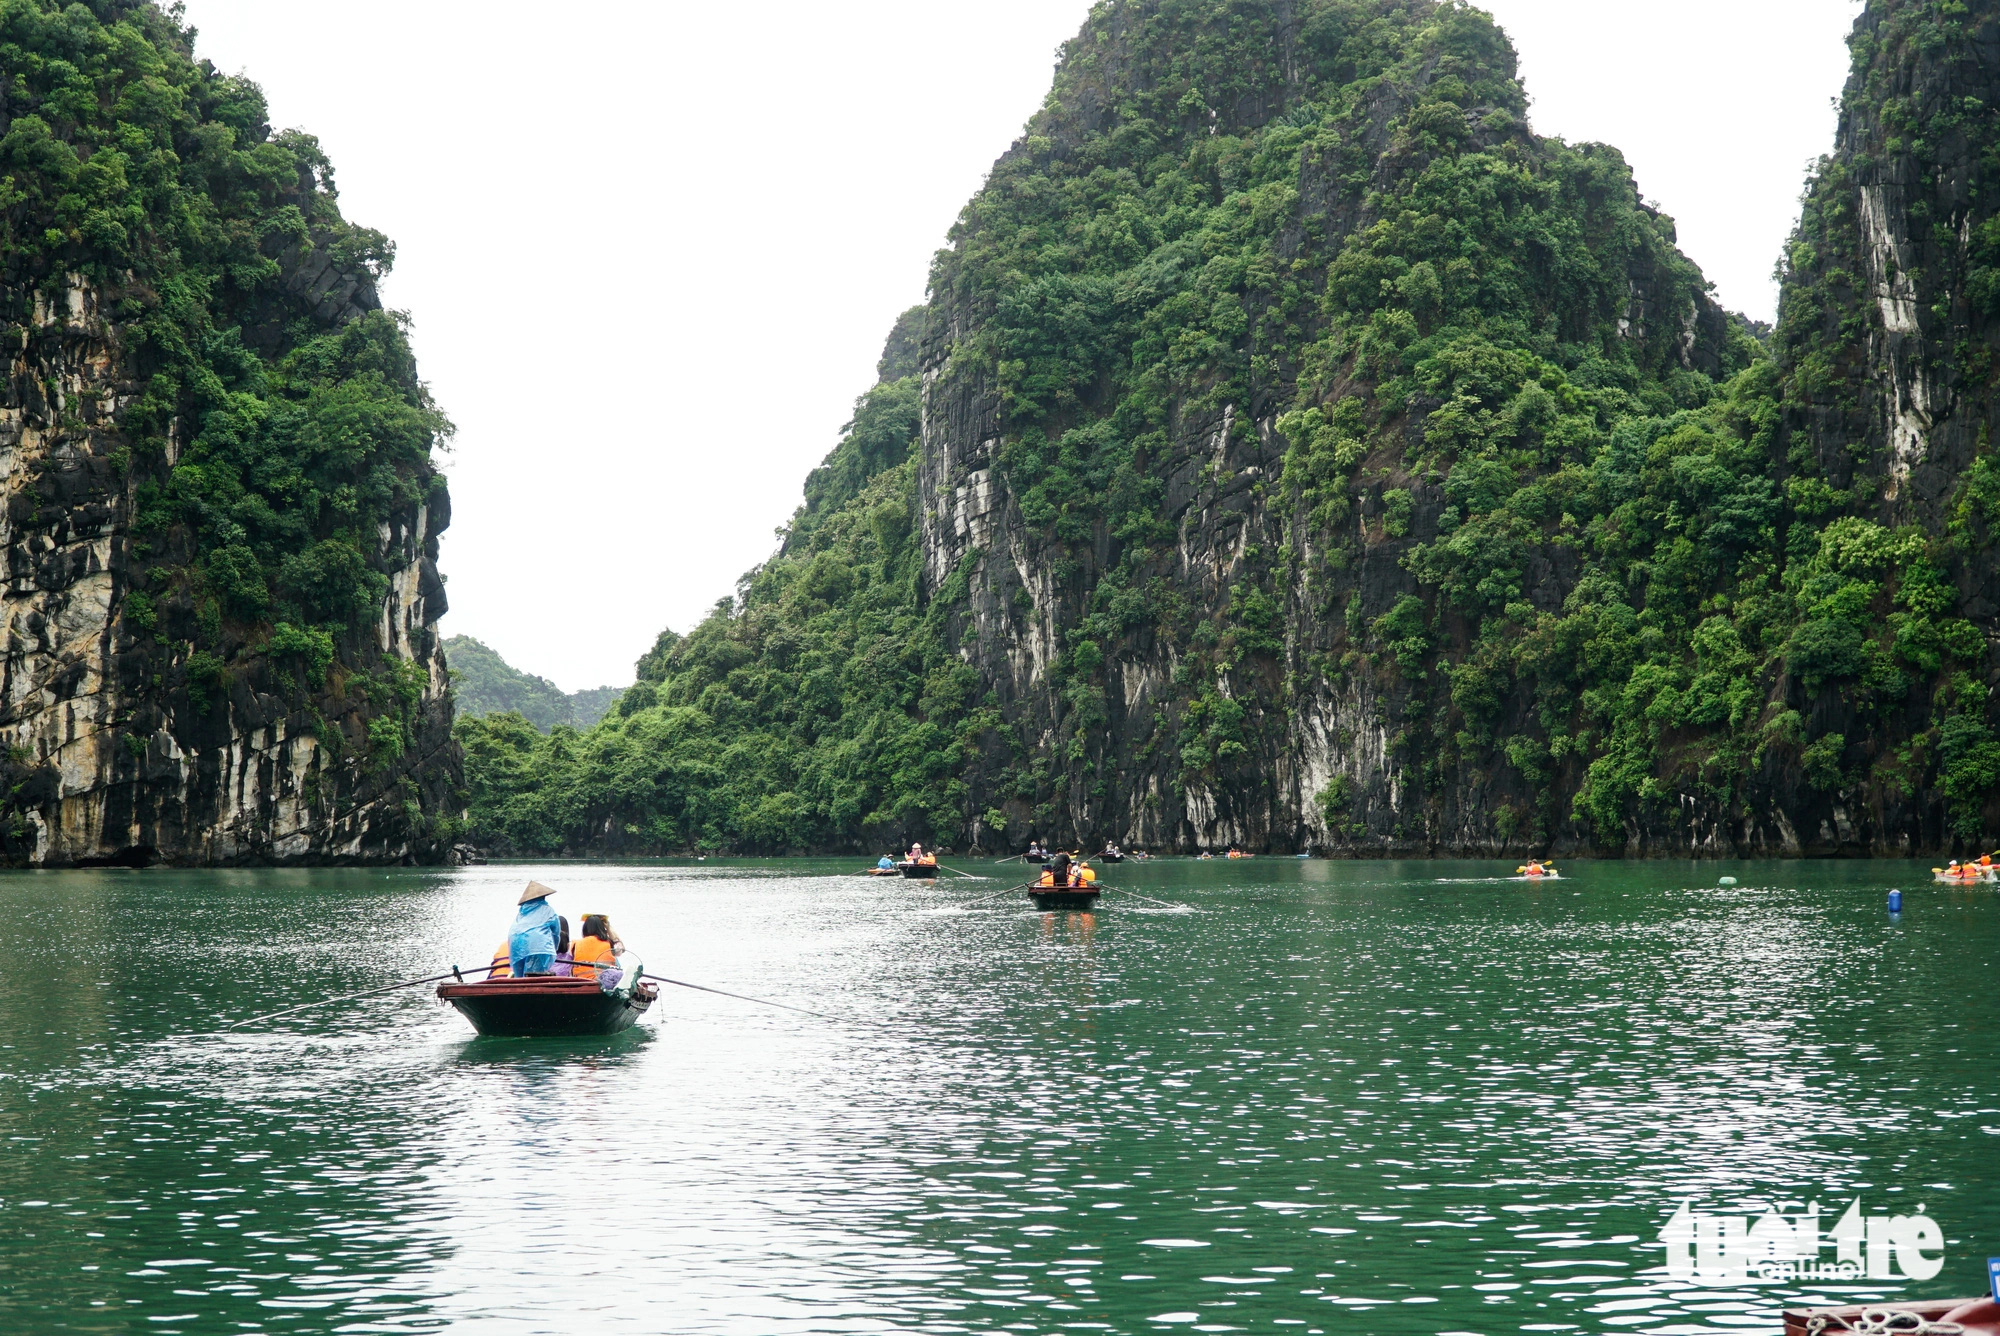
x: 535, y: 891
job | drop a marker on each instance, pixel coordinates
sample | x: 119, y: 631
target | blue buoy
x: 1895, y: 902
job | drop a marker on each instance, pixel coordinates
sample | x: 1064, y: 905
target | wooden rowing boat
x: 546, y: 1006
x: 1975, y: 1317
x: 1065, y: 897
x: 919, y: 871
x: 881, y: 872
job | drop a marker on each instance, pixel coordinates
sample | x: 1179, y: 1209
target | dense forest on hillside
x: 221, y: 450
x: 1297, y: 449
x: 483, y: 683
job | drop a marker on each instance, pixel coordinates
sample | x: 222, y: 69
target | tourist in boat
x: 531, y: 948
x: 500, y: 969
x: 594, y: 948
x: 917, y: 855
x: 1058, y: 873
x: 885, y: 863
x: 1035, y: 849
x: 1111, y: 849
x: 563, y: 957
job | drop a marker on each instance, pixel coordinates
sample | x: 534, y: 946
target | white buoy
x: 1726, y: 881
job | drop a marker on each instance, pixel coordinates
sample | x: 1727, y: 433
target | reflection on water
x: 1305, y: 1097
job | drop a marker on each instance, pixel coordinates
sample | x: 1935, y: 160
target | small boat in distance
x: 919, y: 871
x: 548, y: 1006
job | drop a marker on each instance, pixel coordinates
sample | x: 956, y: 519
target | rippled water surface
x: 1273, y: 1097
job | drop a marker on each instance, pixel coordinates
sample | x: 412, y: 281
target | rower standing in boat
x: 531, y: 948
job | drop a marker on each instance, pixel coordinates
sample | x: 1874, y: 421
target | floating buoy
x: 1725, y: 881
x: 1895, y: 902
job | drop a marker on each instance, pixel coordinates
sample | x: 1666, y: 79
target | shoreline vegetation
x: 1297, y: 450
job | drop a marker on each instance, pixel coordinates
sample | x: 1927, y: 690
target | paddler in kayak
x: 531, y: 947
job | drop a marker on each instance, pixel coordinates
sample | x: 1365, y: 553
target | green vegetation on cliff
x: 269, y: 443
x: 221, y: 388
x: 1593, y: 551
x: 817, y: 713
x: 483, y: 683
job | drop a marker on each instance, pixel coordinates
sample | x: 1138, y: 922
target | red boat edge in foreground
x: 1974, y: 1317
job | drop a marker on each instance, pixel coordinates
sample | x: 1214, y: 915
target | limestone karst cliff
x: 1299, y: 451
x: 220, y: 523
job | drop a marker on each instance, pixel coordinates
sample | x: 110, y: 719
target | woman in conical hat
x: 531, y: 949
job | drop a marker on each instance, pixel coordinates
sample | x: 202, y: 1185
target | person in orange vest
x: 917, y: 855
x: 501, y: 968
x: 594, y: 948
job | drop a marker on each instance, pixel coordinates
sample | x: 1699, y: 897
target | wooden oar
x: 351, y: 997
x: 997, y: 895
x: 967, y: 875
x: 783, y: 1006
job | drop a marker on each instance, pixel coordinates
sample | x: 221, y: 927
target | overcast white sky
x: 651, y: 249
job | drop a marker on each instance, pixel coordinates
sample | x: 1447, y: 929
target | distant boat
x: 1111, y: 857
x: 547, y: 1006
x: 919, y: 871
x: 881, y: 872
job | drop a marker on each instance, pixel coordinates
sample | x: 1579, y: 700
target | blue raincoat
x: 532, y: 947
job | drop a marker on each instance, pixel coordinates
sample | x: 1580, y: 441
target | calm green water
x: 1317, y: 1098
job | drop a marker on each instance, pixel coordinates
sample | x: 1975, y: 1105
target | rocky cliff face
x: 1456, y: 537
x: 220, y: 525
x: 123, y: 746
x: 1299, y: 451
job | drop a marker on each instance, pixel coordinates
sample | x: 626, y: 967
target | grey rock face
x: 120, y: 745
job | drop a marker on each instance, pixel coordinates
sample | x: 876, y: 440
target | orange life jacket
x: 589, y: 953
x: 503, y: 968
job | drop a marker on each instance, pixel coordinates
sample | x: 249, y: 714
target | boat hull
x: 1064, y: 897
x: 546, y: 1007
x: 919, y: 871
x: 1110, y: 858
x: 1975, y: 1317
